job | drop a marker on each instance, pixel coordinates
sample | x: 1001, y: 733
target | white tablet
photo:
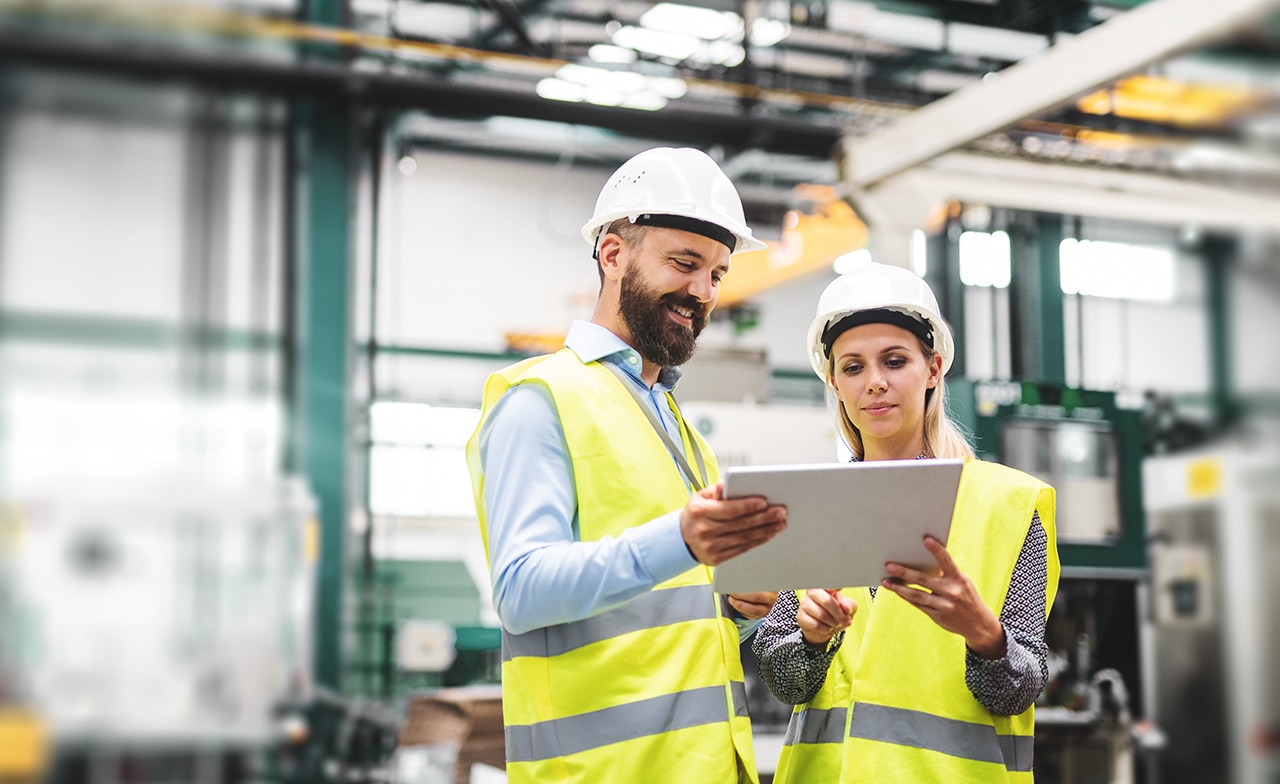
x: 844, y: 522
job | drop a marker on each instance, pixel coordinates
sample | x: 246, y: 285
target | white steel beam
x: 1075, y: 190
x: 1120, y: 46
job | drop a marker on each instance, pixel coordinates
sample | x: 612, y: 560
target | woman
x: 926, y: 677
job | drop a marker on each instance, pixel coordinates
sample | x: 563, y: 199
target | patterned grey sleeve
x: 1008, y: 686
x: 791, y: 668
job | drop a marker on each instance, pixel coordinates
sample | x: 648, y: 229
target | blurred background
x: 257, y: 258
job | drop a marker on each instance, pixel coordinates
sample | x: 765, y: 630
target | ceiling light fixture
x: 675, y: 46
x: 607, y: 53
x: 706, y: 23
x: 768, y: 32
x: 553, y: 89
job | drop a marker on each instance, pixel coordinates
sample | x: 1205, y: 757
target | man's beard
x: 656, y: 336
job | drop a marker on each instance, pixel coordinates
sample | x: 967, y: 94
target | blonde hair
x: 942, y: 437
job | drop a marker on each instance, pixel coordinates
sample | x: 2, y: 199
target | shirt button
x: 633, y: 360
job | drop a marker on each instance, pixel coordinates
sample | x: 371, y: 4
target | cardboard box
x: 469, y: 718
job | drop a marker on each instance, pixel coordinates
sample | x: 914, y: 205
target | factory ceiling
x: 784, y: 91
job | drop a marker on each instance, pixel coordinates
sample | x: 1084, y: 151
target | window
x: 919, y: 253
x: 1117, y: 270
x: 985, y: 259
x: 418, y: 463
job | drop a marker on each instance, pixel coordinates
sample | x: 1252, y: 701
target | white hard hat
x: 679, y: 188
x: 878, y: 293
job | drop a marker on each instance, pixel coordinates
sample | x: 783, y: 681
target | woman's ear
x: 935, y: 371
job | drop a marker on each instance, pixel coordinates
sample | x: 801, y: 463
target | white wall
x: 1255, y: 329
x: 478, y: 247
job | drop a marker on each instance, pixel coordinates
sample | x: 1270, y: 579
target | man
x: 601, y: 510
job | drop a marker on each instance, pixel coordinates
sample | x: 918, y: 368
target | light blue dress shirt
x: 542, y: 574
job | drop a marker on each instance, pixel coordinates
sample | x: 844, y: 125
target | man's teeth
x: 683, y: 312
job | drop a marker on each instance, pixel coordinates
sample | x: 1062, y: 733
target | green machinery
x: 1084, y: 444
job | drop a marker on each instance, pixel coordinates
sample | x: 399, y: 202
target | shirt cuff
x: 660, y: 547
x: 978, y: 664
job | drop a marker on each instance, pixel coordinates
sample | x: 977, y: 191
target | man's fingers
x: 734, y: 509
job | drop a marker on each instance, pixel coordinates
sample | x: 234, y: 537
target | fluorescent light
x: 623, y: 81
x: 554, y: 89
x: 936, y: 80
x: 993, y: 42
x: 675, y: 46
x: 439, y: 21
x: 909, y: 30
x: 671, y: 87
x: 607, y: 53
x: 703, y: 22
x: 644, y: 101
x: 726, y: 53
x: 604, y: 95
x: 767, y: 32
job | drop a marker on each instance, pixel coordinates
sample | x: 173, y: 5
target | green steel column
x: 322, y: 299
x: 942, y: 271
x: 322, y: 198
x: 1036, y: 329
x: 1219, y: 254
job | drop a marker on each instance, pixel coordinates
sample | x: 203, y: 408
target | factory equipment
x: 162, y: 632
x: 1213, y: 614
x: 1089, y: 447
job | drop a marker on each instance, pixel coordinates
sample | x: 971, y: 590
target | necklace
x: 921, y: 456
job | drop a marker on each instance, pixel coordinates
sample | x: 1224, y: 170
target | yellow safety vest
x: 652, y: 691
x: 898, y: 682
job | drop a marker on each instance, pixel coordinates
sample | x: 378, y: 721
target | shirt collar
x: 592, y: 343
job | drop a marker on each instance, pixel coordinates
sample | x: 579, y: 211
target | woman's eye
x: 895, y: 362
x: 849, y: 370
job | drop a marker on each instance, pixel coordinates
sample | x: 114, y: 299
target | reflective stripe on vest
x: 648, y: 611
x: 963, y: 739
x: 816, y: 725
x: 574, y: 734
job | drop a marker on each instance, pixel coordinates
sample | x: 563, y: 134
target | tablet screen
x: 844, y: 522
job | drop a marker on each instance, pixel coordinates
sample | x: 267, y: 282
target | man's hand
x: 753, y: 606
x: 716, y: 529
x: 822, y: 613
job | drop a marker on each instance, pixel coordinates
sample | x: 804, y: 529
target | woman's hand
x: 753, y: 606
x: 822, y: 613
x: 951, y: 600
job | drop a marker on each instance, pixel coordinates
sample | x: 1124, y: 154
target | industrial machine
x: 1089, y: 446
x: 1213, y: 614
x: 163, y: 632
